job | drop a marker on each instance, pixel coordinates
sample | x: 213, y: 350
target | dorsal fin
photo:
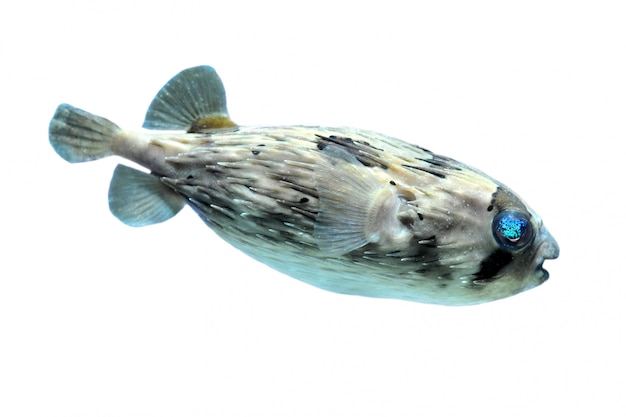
x: 193, y: 100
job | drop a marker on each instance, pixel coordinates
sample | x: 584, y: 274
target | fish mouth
x: 548, y: 249
x: 542, y: 272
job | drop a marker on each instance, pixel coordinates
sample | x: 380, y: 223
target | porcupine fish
x: 343, y: 209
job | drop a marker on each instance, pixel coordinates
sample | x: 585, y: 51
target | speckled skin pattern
x: 259, y: 189
x: 346, y: 210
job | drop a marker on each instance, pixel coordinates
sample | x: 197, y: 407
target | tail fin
x: 79, y: 136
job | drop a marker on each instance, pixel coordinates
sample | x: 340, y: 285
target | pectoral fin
x: 352, y: 202
x: 141, y: 199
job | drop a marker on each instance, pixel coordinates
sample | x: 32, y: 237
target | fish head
x: 516, y: 249
x: 480, y: 240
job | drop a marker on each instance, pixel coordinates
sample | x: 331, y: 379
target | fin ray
x: 79, y: 136
x: 341, y: 225
x: 140, y: 199
x: 193, y: 100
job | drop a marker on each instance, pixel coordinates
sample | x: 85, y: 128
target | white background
x: 100, y: 319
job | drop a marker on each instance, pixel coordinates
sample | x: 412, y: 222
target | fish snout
x: 548, y: 248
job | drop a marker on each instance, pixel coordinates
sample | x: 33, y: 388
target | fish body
x: 346, y: 210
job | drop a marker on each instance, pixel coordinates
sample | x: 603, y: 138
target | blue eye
x: 512, y: 229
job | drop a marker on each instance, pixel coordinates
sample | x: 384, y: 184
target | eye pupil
x: 512, y: 230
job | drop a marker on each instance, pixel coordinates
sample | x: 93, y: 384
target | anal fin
x: 140, y: 199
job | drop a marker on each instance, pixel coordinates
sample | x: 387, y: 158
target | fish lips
x: 547, y: 249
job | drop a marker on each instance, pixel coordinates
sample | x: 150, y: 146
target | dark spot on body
x: 371, y: 146
x: 420, y: 216
x: 304, y: 200
x: 189, y: 177
x: 503, y: 199
x: 293, y: 184
x: 491, y: 265
x: 428, y: 171
x: 365, y: 162
x: 392, y: 182
x: 430, y: 242
x: 256, y: 152
x: 423, y: 149
x: 430, y: 161
x: 489, y: 208
x: 406, y: 219
x: 312, y: 215
x: 440, y: 161
x: 362, y: 151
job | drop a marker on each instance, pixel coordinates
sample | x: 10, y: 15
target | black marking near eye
x: 491, y: 265
x: 503, y: 199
